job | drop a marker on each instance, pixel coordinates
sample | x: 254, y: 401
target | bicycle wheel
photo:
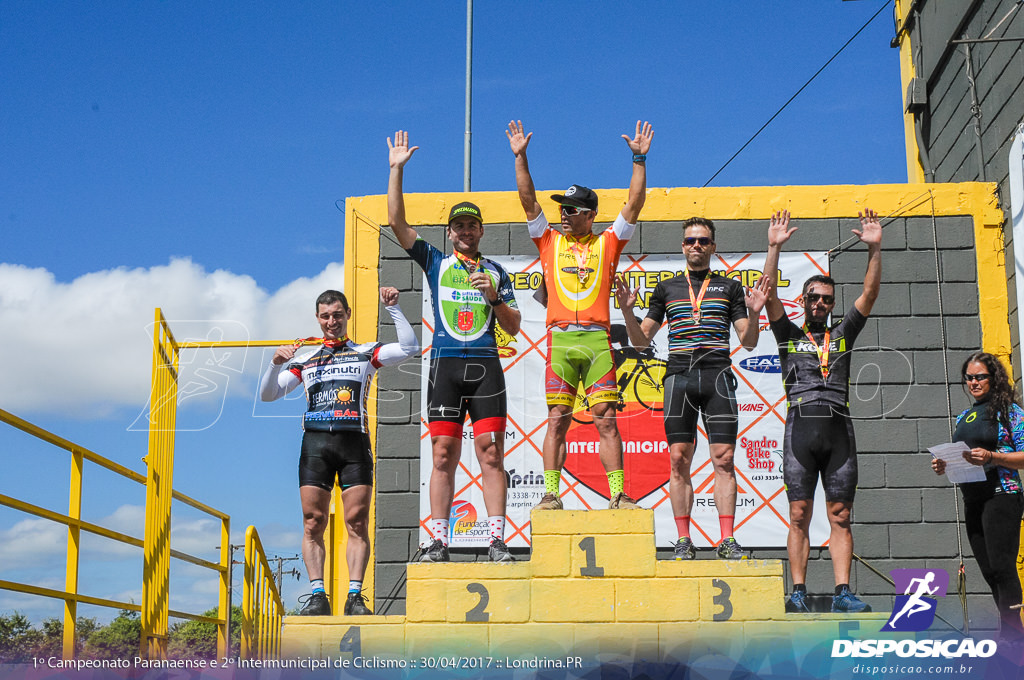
x: 648, y: 385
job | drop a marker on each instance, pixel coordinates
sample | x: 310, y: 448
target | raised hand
x: 870, y: 232
x: 481, y: 280
x: 778, y: 228
x: 625, y: 296
x: 389, y: 296
x: 518, y: 140
x: 757, y: 295
x: 641, y: 141
x: 399, y: 153
x: 283, y: 354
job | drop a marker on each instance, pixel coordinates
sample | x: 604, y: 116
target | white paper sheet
x: 958, y: 470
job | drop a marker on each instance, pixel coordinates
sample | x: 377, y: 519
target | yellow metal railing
x: 262, y: 608
x: 76, y: 525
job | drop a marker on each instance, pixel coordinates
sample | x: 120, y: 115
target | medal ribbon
x: 468, y: 264
x: 582, y: 257
x: 821, y: 351
x: 695, y: 304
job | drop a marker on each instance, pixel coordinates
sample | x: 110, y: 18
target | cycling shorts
x: 819, y: 441
x: 711, y: 392
x: 576, y: 357
x: 325, y: 454
x: 458, y: 386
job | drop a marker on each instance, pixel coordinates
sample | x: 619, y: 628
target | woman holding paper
x: 993, y: 427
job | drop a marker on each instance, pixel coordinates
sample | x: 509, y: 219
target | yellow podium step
x: 592, y: 585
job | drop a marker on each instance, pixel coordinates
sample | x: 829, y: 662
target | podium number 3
x: 722, y: 600
x: 591, y: 568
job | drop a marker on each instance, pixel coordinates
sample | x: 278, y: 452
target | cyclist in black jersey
x: 701, y: 307
x: 335, y: 441
x: 819, y: 439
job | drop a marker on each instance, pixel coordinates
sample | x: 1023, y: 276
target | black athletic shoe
x: 498, y: 551
x: 315, y: 604
x: 355, y: 605
x: 848, y: 603
x: 436, y: 552
x: 684, y: 550
x: 796, y: 603
x: 729, y: 549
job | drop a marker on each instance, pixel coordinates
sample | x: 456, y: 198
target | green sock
x: 616, y: 480
x: 552, y: 481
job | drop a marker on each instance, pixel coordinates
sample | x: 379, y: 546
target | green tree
x: 198, y: 640
x: 18, y: 639
x: 117, y: 640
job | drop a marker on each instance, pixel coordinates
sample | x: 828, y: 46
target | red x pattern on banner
x: 762, y: 507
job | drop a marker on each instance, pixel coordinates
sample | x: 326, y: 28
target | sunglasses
x: 976, y: 377
x: 572, y: 210
x: 814, y: 297
x: 703, y: 240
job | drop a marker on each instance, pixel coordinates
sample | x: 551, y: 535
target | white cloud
x: 32, y: 542
x: 91, y: 338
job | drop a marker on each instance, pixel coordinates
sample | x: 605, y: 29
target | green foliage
x: 117, y: 640
x: 18, y: 639
x: 20, y: 642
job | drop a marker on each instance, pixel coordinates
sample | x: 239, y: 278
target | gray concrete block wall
x: 904, y: 514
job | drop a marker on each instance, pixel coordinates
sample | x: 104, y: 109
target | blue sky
x: 190, y: 155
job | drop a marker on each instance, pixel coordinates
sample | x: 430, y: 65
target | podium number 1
x: 591, y: 568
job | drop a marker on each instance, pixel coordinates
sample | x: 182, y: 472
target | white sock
x: 497, y: 527
x: 439, y: 528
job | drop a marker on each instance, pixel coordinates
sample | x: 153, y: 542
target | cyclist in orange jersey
x: 579, y: 266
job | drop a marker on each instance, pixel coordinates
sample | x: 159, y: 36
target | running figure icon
x: 917, y: 603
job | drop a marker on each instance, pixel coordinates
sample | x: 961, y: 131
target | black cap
x: 577, y: 195
x: 463, y: 209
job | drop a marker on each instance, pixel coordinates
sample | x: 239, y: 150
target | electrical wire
x: 802, y: 88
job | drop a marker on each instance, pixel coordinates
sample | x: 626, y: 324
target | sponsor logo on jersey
x: 751, y: 408
x: 763, y: 363
x: 350, y: 369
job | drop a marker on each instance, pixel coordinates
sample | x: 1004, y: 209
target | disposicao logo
x: 914, y: 611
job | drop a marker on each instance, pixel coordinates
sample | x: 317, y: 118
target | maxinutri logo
x: 915, y: 608
x: 914, y: 611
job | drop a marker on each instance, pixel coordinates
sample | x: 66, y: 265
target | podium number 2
x: 478, y: 612
x: 591, y: 568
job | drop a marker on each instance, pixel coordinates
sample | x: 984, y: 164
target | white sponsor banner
x: 762, y: 512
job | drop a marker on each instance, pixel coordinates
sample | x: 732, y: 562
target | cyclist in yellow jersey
x: 578, y: 270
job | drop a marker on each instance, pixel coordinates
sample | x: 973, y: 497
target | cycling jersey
x: 578, y: 272
x: 801, y: 367
x: 702, y: 339
x: 463, y: 317
x: 978, y: 429
x: 337, y: 377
